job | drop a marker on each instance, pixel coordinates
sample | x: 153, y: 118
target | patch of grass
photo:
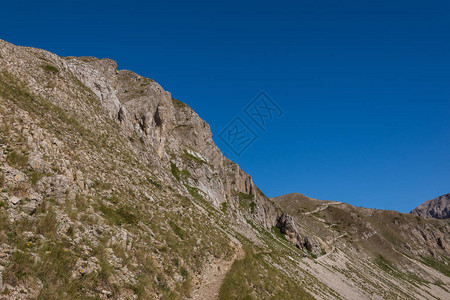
x: 253, y: 278
x: 50, y: 68
x: 13, y: 89
x: 245, y: 201
x: 176, y: 229
x: 119, y: 216
x: 35, y: 176
x: 178, y: 103
x: 81, y: 202
x: 195, y: 193
x: 102, y: 185
x: 224, y: 207
x: 177, y: 173
x: 20, y: 267
x: 244, y: 196
x: 2, y: 179
x: 381, y: 262
x: 47, y: 224
x: 193, y: 157
x: 277, y: 232
x: 51, y: 269
x: 441, y: 266
x: 17, y: 159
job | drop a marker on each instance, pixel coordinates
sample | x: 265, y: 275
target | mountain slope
x: 438, y: 208
x: 112, y: 189
x: 370, y: 253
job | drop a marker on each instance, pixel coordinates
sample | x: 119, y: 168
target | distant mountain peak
x: 438, y: 208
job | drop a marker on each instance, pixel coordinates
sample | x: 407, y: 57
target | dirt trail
x: 208, y: 288
x: 322, y: 207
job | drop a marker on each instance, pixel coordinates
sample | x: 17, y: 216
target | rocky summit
x: 112, y: 189
x: 438, y: 208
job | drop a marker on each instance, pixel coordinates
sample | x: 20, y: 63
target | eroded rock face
x: 173, y: 129
x: 288, y: 227
x: 438, y: 208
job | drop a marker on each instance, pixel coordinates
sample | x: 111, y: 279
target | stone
x: 14, y: 200
x: 177, y: 277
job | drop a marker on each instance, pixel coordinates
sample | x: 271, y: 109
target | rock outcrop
x: 438, y: 208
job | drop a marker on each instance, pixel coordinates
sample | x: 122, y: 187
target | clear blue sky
x: 364, y: 85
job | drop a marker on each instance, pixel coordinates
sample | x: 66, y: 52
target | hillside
x: 112, y: 189
x: 367, y: 252
x: 438, y: 208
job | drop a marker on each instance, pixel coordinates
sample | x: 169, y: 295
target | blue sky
x: 364, y: 85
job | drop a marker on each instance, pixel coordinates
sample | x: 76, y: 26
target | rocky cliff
x: 113, y: 189
x: 438, y: 208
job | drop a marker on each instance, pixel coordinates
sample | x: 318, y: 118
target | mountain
x: 112, y: 189
x: 438, y: 208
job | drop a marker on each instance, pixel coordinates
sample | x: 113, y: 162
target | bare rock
x: 438, y: 208
x: 14, y: 200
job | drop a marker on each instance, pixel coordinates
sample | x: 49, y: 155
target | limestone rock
x: 14, y: 200
x: 438, y: 208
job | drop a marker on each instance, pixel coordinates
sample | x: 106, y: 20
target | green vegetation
x: 17, y: 159
x: 178, y: 103
x: 102, y: 185
x: 253, y: 278
x: 177, y: 173
x: 119, y: 216
x: 47, y: 224
x: 35, y: 176
x: 441, y: 266
x: 246, y: 201
x: 193, y: 157
x: 176, y: 229
x: 11, y: 88
x: 223, y: 207
x: 244, y: 196
x: 277, y: 232
x: 195, y: 193
x: 50, y: 68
